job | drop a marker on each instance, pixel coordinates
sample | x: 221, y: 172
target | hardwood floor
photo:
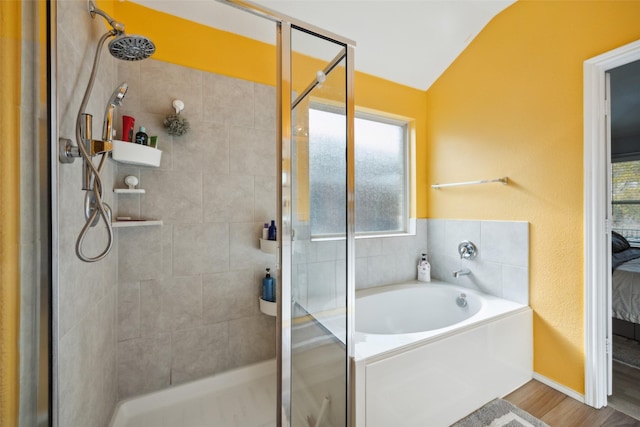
x: 559, y: 410
x: 626, y: 389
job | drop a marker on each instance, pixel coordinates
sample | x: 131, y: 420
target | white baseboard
x: 561, y: 388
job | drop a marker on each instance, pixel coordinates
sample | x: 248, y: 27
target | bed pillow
x: 618, y: 243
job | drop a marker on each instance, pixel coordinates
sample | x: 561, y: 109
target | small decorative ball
x: 176, y: 125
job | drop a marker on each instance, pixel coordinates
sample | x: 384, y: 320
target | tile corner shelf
x: 269, y: 246
x: 135, y: 154
x: 269, y: 308
x: 141, y: 222
x: 129, y: 190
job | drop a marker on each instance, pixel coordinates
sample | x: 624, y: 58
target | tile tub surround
x: 188, y: 291
x: 501, y: 267
x: 87, y: 292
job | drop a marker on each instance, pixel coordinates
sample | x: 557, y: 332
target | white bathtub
x: 420, y: 359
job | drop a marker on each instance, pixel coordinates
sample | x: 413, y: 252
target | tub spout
x: 463, y: 272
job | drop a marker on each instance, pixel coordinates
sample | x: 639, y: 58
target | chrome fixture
x: 463, y: 272
x: 125, y: 47
x: 461, y: 301
x: 504, y: 180
x: 467, y: 250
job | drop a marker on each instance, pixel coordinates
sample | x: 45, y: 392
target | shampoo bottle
x: 265, y: 231
x: 141, y: 137
x: 268, y: 287
x: 424, y: 269
x: 273, y: 234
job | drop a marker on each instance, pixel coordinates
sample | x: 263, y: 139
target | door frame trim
x: 595, y: 208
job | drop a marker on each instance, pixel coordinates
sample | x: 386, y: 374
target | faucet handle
x: 467, y: 250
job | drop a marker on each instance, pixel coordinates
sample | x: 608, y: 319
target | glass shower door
x: 315, y: 180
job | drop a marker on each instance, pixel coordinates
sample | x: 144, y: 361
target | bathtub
x: 423, y: 359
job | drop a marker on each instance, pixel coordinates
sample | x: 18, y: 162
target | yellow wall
x: 10, y: 41
x: 229, y: 54
x: 511, y: 104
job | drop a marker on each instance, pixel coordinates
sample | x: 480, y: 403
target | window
x: 381, y: 157
x: 625, y: 197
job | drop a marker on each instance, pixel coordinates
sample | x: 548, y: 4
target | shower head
x: 114, y: 101
x: 123, y: 46
x: 118, y: 95
x: 131, y: 47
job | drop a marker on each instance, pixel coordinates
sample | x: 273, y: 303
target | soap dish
x: 269, y: 308
x: 135, y: 154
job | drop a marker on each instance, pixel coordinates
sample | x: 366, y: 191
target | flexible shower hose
x: 97, y: 181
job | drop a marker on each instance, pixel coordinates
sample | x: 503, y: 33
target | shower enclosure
x: 316, y: 228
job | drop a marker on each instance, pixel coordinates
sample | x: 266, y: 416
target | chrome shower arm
x: 93, y: 10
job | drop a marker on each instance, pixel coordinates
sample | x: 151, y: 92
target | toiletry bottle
x: 265, y: 231
x: 128, y: 124
x: 268, y: 287
x: 424, y: 269
x: 141, y: 137
x: 273, y: 233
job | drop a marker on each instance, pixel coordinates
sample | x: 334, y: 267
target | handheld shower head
x: 114, y: 101
x: 131, y: 47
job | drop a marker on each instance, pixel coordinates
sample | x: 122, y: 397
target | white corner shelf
x: 129, y: 190
x: 269, y: 308
x: 139, y: 222
x: 135, y: 154
x: 269, y: 246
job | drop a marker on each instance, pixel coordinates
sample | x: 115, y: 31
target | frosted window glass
x: 381, y: 159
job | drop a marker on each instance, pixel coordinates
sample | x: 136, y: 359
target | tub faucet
x: 463, y: 272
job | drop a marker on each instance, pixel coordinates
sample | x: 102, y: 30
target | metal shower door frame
x: 285, y: 26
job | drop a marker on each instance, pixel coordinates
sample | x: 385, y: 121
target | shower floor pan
x: 242, y: 397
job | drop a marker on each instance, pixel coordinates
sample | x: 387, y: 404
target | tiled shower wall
x: 188, y: 290
x: 87, y: 292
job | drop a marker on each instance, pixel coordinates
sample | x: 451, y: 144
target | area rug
x: 626, y: 351
x: 499, y: 413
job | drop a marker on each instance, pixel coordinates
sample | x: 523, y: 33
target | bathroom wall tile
x: 229, y: 198
x: 265, y: 201
x: 457, y: 231
x: 129, y: 72
x: 304, y: 251
x: 230, y: 295
x: 321, y: 293
x: 485, y: 276
x: 244, y: 246
x: 252, y: 150
x: 199, y: 352
x: 341, y: 283
x: 162, y: 82
x: 128, y: 204
x: 300, y: 283
x: 139, y: 253
x: 252, y: 339
x: 170, y: 304
x: 506, y: 242
x: 204, y: 148
x: 380, y: 270
x: 200, y: 248
x: 167, y: 250
x: 172, y: 196
x: 362, y: 281
x: 405, y: 267
x: 228, y: 100
x: 128, y: 310
x: 265, y: 106
x: 368, y: 247
x: 515, y: 284
x: 443, y: 266
x: 436, y: 236
x: 144, y: 365
x: 330, y: 250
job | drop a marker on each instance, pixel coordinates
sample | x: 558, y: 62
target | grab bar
x: 504, y: 180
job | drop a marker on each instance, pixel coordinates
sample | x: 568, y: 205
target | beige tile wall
x: 188, y: 291
x: 87, y: 293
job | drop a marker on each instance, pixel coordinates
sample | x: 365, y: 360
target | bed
x: 625, y: 287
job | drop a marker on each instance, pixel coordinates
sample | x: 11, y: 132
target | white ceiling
x: 408, y: 42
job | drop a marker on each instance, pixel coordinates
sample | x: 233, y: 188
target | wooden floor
x: 559, y: 410
x: 626, y: 389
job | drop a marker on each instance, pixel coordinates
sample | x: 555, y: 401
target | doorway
x: 598, y: 223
